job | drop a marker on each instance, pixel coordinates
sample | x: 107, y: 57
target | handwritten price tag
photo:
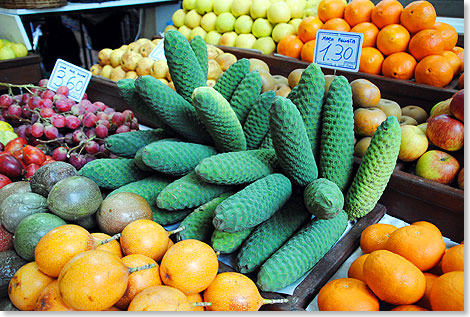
x: 338, y: 50
x: 75, y: 78
x: 158, y: 53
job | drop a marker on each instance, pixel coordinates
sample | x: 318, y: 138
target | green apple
x: 296, y: 8
x: 278, y: 12
x: 241, y: 7
x: 265, y: 44
x: 259, y: 8
x: 208, y: 21
x: 295, y: 23
x: 281, y: 30
x: 221, y: 6
x: 6, y: 53
x: 192, y: 19
x: 178, y: 18
x: 225, y: 22
x: 261, y: 28
x: 228, y: 39
x: 204, y: 6
x: 245, y: 41
x: 197, y: 31
x: 188, y: 5
x: 413, y: 143
x: 19, y: 49
x: 243, y: 24
x: 213, y: 37
x: 185, y: 31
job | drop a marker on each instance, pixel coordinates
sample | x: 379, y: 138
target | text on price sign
x: 75, y: 78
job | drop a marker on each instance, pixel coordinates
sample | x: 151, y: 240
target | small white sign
x: 158, y: 53
x: 75, y: 78
x: 338, y: 50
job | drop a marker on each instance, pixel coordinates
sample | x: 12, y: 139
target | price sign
x: 75, y: 78
x: 338, y: 50
x: 158, y: 53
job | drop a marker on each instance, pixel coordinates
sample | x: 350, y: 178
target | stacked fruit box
x: 21, y: 70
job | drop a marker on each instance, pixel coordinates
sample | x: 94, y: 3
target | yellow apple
x: 185, y: 31
x: 221, y: 6
x: 208, y: 21
x: 96, y: 69
x: 390, y: 107
x: 282, y: 89
x: 245, y: 41
x: 226, y: 60
x: 144, y: 66
x: 204, y: 6
x: 192, y: 19
x: 365, y: 93
x: 103, y: 56
x: 258, y: 64
x: 361, y: 146
x: 214, y: 71
x: 408, y: 120
x: 279, y: 12
x: 267, y: 79
x: 416, y: 112
x: 213, y: 37
x: 243, y: 24
x: 261, y: 28
x: 197, y: 31
x: 178, y: 17
x: 265, y: 44
x: 240, y: 7
x: 413, y: 143
x: 259, y: 8
x: 159, y: 69
x: 294, y: 77
x: 225, y: 22
x: 367, y: 120
x: 106, y: 71
x: 281, y: 30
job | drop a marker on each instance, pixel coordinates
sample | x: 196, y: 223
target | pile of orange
x: 399, y: 42
x: 408, y: 267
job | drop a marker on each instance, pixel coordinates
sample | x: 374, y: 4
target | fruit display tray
x: 21, y: 70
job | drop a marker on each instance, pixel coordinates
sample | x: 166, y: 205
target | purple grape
x: 77, y: 110
x: 60, y: 154
x: 58, y: 121
x: 34, y: 102
x: 6, y: 101
x: 90, y: 133
x: 78, y: 136
x: 63, y: 90
x: 77, y: 160
x: 58, y: 96
x: 21, y: 130
x: 118, y: 119
x: 134, y: 124
x: 89, y: 120
x: 105, y: 123
x: 43, y: 82
x: 109, y: 110
x: 72, y: 122
x: 92, y: 147
x: 100, y: 105
x: 47, y: 112
x: 15, y: 111
x: 70, y: 102
x: 85, y: 96
x: 89, y: 158
x: 25, y: 97
x: 45, y: 103
x: 68, y: 138
x: 62, y: 105
x: 102, y: 115
x: 101, y: 131
x: 37, y: 130
x: 104, y: 151
x: 91, y: 108
x: 48, y: 94
x: 4, y: 112
x: 34, y: 117
x: 27, y: 131
x: 85, y: 102
x: 128, y: 115
x: 51, y: 132
x: 26, y: 111
x: 122, y: 129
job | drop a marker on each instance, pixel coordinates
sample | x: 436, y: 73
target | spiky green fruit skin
x: 291, y: 142
x: 127, y: 144
x: 200, y: 50
x: 187, y: 192
x: 112, y: 173
x: 139, y: 163
x: 228, y: 82
x: 271, y: 235
x: 301, y: 252
x: 227, y: 242
x: 175, y: 158
x: 256, y: 125
x: 165, y: 217
x: 148, y: 187
x: 246, y: 94
x: 337, y: 137
x: 252, y: 205
x: 375, y: 169
x: 183, y: 64
x: 172, y: 109
x: 235, y: 168
x: 267, y: 142
x: 220, y: 120
x: 129, y: 93
x: 308, y: 97
x: 198, y: 224
x: 323, y: 198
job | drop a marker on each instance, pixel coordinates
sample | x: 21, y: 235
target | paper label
x: 158, y: 53
x: 75, y: 78
x: 338, y: 50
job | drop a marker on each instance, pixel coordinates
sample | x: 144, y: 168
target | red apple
x: 413, y: 143
x: 442, y: 107
x: 457, y: 105
x: 438, y: 166
x: 445, y: 132
x: 4, y: 180
x: 460, y: 178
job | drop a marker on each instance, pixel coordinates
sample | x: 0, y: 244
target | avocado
x: 10, y: 262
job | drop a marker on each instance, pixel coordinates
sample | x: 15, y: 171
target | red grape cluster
x: 66, y: 130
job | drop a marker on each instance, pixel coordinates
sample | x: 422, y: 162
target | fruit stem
x: 275, y: 301
x: 115, y: 237
x: 201, y: 304
x: 140, y: 268
x: 176, y: 230
x: 26, y: 86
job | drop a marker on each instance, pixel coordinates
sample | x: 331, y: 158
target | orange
x: 189, y: 265
x: 375, y: 236
x: 420, y: 245
x: 370, y: 32
x: 308, y: 28
x: 448, y: 33
x: 454, y: 61
x: 460, y: 53
x: 386, y: 12
x: 399, y: 65
x: 424, y: 301
x: 460, y: 85
x: 329, y: 9
x: 427, y: 224
x: 453, y: 259
x: 49, y: 299
x: 417, y: 16
x: 392, y: 39
x: 358, y: 11
x: 434, y: 70
x: 306, y: 54
x: 426, y: 42
x: 371, y: 61
x: 160, y: 298
x: 346, y: 294
x: 196, y: 298
x: 111, y: 246
x: 410, y: 307
x: 447, y: 292
x: 337, y: 24
x: 290, y: 45
x: 393, y: 278
x: 355, y: 269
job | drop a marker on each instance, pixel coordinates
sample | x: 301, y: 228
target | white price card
x: 338, y: 50
x: 75, y: 78
x: 158, y: 53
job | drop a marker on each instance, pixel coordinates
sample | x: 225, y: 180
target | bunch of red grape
x: 66, y: 130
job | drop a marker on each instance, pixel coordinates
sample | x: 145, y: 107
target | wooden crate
x: 22, y: 70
